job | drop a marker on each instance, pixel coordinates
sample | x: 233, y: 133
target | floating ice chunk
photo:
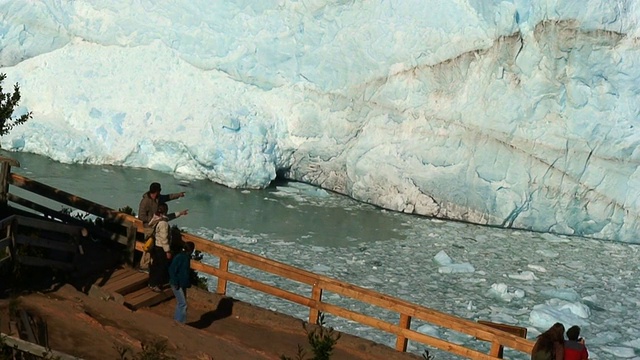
x: 442, y: 258
x: 457, y: 338
x: 246, y: 240
x: 353, y: 260
x: 523, y: 275
x: 321, y: 268
x: 619, y: 351
x: 548, y: 253
x: 635, y: 343
x: 564, y: 294
x: 537, y: 268
x: 554, y: 238
x: 429, y: 330
x: 448, y: 267
x: 502, y: 318
x: 501, y: 291
x: 557, y: 310
x: 603, y: 338
x: 456, y: 268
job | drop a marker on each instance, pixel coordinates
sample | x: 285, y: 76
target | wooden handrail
x: 406, y: 310
x: 361, y: 294
x: 34, y: 349
x: 65, y: 198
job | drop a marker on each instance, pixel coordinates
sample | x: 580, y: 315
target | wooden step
x: 128, y: 283
x: 146, y: 297
x: 111, y: 277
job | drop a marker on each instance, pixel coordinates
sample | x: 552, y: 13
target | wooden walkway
x: 128, y: 286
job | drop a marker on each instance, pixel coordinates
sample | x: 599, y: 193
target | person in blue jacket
x: 180, y: 280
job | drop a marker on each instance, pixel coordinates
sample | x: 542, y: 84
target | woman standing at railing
x: 161, y: 251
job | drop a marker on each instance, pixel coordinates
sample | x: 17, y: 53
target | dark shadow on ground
x: 224, y: 309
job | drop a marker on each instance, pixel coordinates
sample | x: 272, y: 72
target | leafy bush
x: 127, y: 210
x: 322, y: 341
x: 8, y: 103
x: 155, y: 350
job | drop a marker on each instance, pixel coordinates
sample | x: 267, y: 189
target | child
x: 179, y: 279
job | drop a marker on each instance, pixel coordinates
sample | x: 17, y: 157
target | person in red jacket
x: 574, y: 348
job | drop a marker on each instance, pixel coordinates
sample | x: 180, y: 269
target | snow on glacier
x: 510, y: 113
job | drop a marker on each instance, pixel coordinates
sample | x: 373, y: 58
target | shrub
x: 322, y: 341
x: 8, y: 103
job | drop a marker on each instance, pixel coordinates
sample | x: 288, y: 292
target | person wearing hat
x: 148, y: 208
x: 149, y: 205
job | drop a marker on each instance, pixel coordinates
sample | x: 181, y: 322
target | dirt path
x: 219, y: 328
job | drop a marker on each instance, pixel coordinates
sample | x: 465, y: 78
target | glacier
x: 516, y: 113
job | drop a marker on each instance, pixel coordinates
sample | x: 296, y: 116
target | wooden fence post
x: 314, y: 314
x: 5, y: 173
x: 496, y: 348
x: 132, y: 232
x: 222, y: 283
x: 401, y: 341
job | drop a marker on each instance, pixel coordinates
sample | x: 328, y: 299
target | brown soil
x: 218, y: 327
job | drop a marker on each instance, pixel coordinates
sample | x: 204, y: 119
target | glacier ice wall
x: 514, y: 113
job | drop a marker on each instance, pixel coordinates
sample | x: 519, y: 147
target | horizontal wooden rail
x: 34, y: 349
x: 97, y: 231
x: 318, y: 284
x: 65, y: 198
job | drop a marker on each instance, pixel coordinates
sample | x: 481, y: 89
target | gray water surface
x: 287, y: 211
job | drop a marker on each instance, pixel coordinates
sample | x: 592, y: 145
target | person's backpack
x: 150, y: 242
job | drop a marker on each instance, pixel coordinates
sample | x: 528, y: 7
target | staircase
x: 129, y: 287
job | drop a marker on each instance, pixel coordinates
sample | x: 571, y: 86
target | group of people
x: 169, y: 263
x: 551, y: 344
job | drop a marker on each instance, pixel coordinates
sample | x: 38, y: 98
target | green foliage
x: 127, y: 210
x: 155, y: 350
x: 427, y: 356
x: 8, y: 102
x: 322, y: 341
x: 198, y: 281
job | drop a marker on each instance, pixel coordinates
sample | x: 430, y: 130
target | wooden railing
x: 5, y: 240
x: 405, y: 310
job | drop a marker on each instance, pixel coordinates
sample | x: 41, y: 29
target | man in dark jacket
x: 150, y: 200
x: 180, y: 280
